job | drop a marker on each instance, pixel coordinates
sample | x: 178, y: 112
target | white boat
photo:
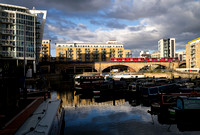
x: 47, y: 119
x: 127, y: 76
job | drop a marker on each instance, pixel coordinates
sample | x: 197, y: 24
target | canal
x: 118, y: 113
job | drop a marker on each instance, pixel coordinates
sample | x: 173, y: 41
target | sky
x: 138, y: 24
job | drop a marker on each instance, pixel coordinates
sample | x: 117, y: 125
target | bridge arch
x: 153, y: 66
x: 119, y: 67
x: 115, y: 65
x: 75, y: 68
x: 182, y: 65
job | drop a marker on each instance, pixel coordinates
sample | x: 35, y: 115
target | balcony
x: 192, y: 64
x: 7, y: 21
x: 192, y: 45
x: 95, y: 51
x: 44, y: 50
x: 112, y: 50
x: 78, y: 50
x: 95, y: 57
x: 7, y: 44
x: 7, y: 54
x: 87, y: 57
x: 112, y: 56
x: 87, y: 50
x: 44, y: 54
x: 103, y: 56
x: 128, y: 55
x: 44, y: 46
x: 7, y: 32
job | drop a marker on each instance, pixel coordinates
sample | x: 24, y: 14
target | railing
x: 112, y: 50
x: 6, y: 21
x: 10, y: 32
x: 7, y: 44
x: 95, y: 50
x: 7, y: 54
x: 87, y: 50
x: 45, y: 50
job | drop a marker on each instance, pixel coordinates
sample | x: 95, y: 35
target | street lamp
x: 24, y: 90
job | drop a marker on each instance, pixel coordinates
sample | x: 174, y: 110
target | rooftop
x: 13, y: 6
x: 194, y: 41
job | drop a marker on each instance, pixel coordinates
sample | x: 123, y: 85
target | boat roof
x: 41, y: 120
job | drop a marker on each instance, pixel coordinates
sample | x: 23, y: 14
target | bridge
x: 107, y: 66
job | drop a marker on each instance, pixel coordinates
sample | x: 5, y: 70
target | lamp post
x: 24, y: 90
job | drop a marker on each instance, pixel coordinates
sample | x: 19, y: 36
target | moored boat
x: 47, y: 119
x: 187, y: 113
x: 89, y: 82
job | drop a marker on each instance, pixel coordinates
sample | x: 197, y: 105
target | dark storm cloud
x: 155, y: 19
x: 80, y: 5
x: 115, y: 24
x: 65, y: 5
x: 95, y: 22
x: 136, y: 9
x: 109, y: 23
x: 171, y: 18
x: 135, y: 28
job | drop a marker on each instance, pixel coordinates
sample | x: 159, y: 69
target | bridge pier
x: 74, y: 69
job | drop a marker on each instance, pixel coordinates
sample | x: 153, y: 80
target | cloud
x: 113, y: 23
x: 139, y: 24
x: 69, y: 6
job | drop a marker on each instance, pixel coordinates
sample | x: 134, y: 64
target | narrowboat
x: 47, y: 119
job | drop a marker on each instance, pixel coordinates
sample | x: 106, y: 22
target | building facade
x: 192, y: 54
x: 45, y: 53
x: 166, y: 47
x: 155, y: 54
x: 90, y: 51
x: 181, y: 55
x: 145, y: 54
x: 21, y: 33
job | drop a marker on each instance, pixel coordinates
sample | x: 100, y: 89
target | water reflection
x: 72, y: 99
x: 118, y: 114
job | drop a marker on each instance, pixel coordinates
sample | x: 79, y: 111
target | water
x: 112, y: 114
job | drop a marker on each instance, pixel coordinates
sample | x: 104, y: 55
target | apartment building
x: 181, y: 55
x: 145, y: 54
x: 166, y: 47
x: 21, y: 31
x: 155, y: 54
x: 90, y: 51
x: 192, y: 54
x: 45, y: 53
